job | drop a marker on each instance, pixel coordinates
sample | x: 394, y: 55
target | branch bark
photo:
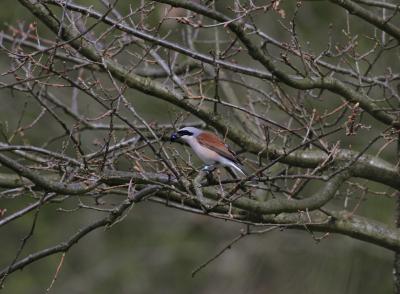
x: 366, y: 167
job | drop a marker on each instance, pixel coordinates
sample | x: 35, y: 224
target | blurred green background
x: 155, y: 249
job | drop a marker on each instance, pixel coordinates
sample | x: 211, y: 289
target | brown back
x: 214, y: 143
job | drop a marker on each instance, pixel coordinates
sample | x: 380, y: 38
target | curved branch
x: 212, y: 60
x: 25, y: 210
x: 65, y: 246
x: 45, y: 183
x: 273, y: 206
x: 164, y: 43
x: 379, y: 4
x: 153, y: 72
x: 369, y: 16
x: 20, y: 148
x: 341, y: 222
x: 280, y: 205
x: 333, y: 221
x: 10, y: 181
x: 366, y: 166
x: 327, y: 83
x: 344, y: 223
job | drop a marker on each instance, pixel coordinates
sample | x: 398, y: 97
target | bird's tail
x: 238, y: 170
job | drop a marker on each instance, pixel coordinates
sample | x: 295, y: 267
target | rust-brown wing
x: 214, y: 143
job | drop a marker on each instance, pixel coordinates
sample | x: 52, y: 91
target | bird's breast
x: 205, y: 154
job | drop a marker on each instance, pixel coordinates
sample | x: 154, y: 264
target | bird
x: 211, y: 149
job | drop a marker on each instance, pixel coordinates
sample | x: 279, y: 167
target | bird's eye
x: 185, y: 133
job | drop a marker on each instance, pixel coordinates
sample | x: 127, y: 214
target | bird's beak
x: 175, y: 137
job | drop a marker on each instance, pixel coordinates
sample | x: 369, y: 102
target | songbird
x: 209, y: 148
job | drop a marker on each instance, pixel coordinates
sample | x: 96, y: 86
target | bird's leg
x: 209, y: 168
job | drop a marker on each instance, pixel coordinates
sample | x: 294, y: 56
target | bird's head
x: 185, y: 134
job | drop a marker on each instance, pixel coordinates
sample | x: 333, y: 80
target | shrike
x: 209, y: 148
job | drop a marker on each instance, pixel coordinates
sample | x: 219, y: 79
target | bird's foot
x: 209, y: 168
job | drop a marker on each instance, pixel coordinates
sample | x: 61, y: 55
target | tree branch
x: 327, y: 83
x: 74, y: 239
x: 367, y: 15
x: 367, y: 166
x: 45, y: 183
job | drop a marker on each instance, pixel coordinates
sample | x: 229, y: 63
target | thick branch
x: 216, y: 61
x: 344, y: 223
x: 45, y: 183
x: 341, y: 222
x: 379, y: 4
x: 162, y: 42
x: 369, y: 16
x: 273, y: 206
x: 366, y: 167
x: 256, y: 52
x: 279, y: 205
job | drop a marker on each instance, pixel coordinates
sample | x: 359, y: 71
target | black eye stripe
x: 185, y: 133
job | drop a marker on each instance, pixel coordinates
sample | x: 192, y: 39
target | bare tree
x: 313, y: 120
